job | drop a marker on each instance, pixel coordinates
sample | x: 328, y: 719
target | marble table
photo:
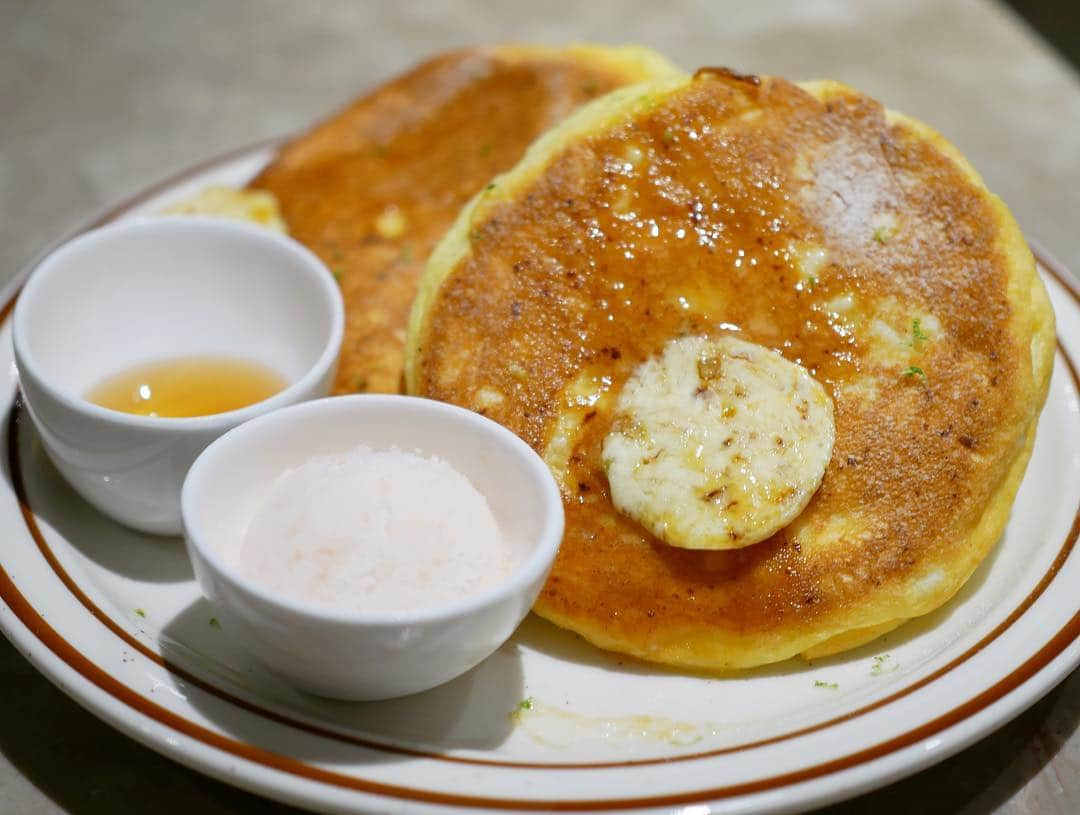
x: 98, y: 99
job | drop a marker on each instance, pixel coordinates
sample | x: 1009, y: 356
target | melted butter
x: 188, y: 386
x: 553, y: 726
x: 717, y: 443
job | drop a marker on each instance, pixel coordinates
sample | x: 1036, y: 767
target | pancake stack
x: 802, y: 219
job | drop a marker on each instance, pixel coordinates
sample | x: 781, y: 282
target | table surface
x: 99, y: 99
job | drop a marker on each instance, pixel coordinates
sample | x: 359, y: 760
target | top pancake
x: 852, y: 239
x: 372, y: 189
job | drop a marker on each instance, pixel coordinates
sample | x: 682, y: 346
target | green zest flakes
x: 917, y: 333
x: 526, y: 704
x: 827, y: 685
x: 914, y: 370
x: 882, y: 665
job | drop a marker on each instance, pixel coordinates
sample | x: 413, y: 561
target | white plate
x: 116, y: 621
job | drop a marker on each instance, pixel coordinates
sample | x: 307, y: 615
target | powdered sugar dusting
x: 850, y: 187
x: 375, y: 530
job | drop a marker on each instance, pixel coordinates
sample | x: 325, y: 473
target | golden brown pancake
x: 372, y: 189
x: 810, y: 220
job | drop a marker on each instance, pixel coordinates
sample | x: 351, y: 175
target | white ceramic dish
x: 602, y: 733
x: 353, y: 655
x: 151, y: 289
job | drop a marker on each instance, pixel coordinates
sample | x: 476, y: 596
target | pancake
x: 807, y: 219
x: 373, y: 189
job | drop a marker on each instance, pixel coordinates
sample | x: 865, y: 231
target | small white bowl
x: 151, y: 289
x: 350, y: 654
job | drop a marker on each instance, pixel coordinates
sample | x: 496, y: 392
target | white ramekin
x: 150, y: 289
x: 349, y: 654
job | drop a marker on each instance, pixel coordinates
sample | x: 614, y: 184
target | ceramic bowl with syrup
x: 198, y: 305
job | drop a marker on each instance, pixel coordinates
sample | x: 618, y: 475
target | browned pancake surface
x: 687, y: 218
x: 373, y: 189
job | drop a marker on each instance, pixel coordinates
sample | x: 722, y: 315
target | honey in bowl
x: 187, y: 386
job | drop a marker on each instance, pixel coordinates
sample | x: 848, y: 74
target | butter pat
x: 375, y: 531
x: 717, y: 443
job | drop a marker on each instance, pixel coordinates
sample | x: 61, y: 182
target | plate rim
x: 84, y: 694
